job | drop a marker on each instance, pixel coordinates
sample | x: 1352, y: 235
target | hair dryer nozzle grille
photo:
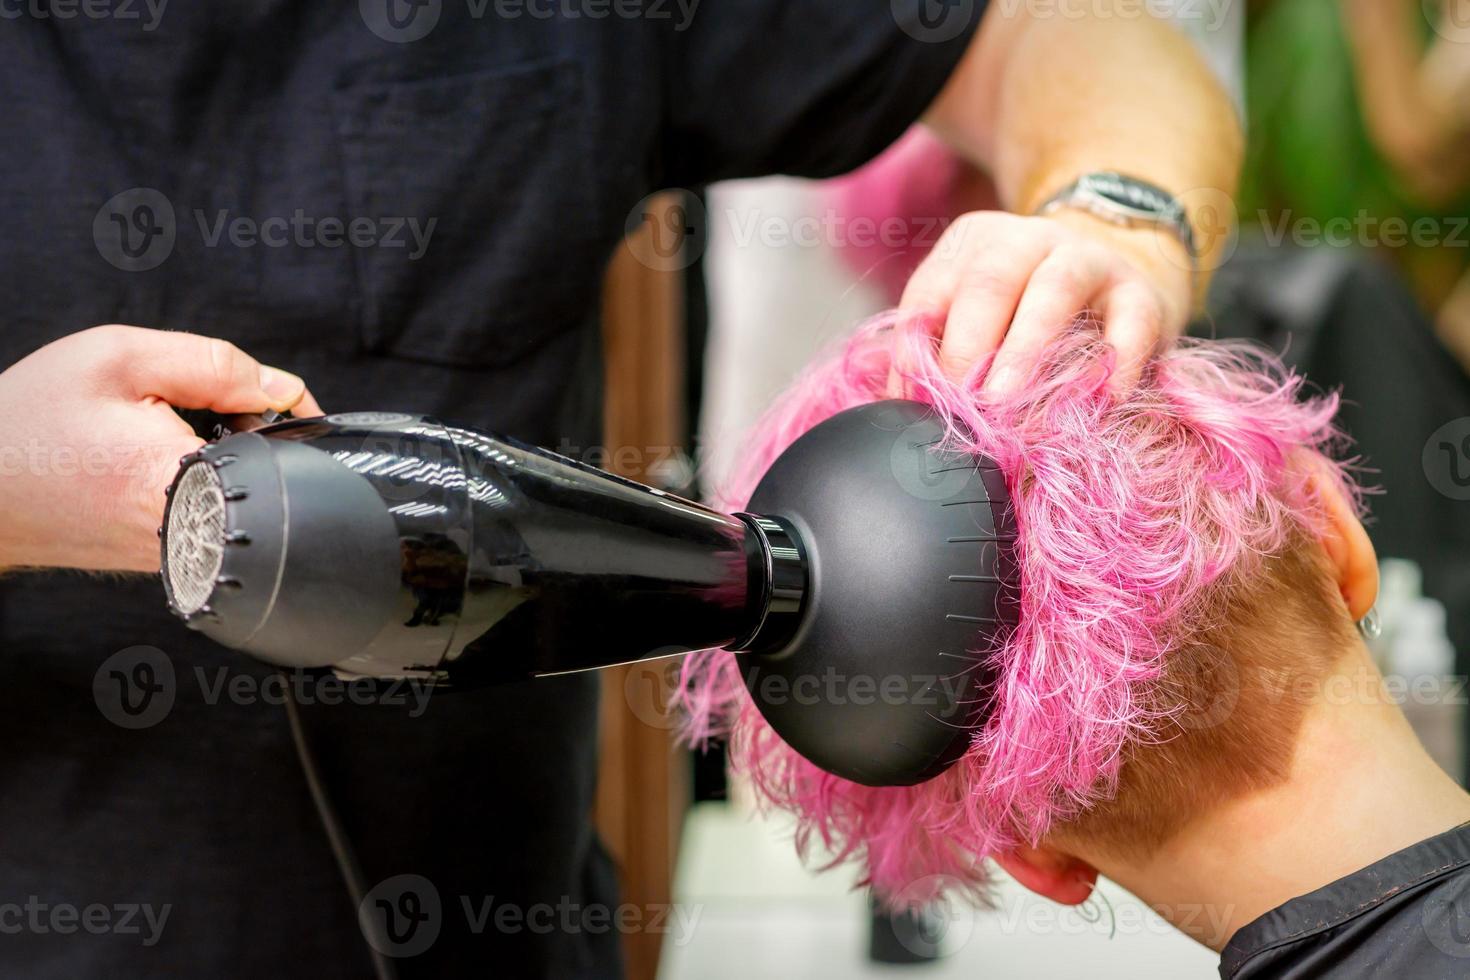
x: 194, y: 538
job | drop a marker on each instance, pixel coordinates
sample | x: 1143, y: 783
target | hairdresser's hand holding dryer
x: 1099, y: 127
x: 90, y: 438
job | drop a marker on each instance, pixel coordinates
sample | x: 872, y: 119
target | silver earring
x: 1371, y: 626
x: 1094, y: 906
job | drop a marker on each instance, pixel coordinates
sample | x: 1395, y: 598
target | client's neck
x: 1361, y: 787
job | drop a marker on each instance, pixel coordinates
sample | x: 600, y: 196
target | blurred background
x: 1351, y: 261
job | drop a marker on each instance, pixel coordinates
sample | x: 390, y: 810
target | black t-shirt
x: 1406, y: 916
x: 256, y: 171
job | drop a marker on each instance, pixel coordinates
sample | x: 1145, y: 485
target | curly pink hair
x: 1133, y: 513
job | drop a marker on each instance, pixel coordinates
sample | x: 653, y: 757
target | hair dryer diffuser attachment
x: 913, y: 581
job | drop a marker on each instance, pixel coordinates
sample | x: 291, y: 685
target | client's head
x: 1192, y: 566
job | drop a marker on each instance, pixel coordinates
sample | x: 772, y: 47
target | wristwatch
x: 1126, y: 201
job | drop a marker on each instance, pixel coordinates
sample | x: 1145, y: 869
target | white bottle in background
x: 1414, y: 650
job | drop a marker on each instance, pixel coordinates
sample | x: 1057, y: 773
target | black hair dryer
x: 860, y: 591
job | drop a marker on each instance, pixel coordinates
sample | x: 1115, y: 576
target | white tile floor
x: 752, y: 912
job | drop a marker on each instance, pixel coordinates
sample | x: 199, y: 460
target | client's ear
x: 1050, y: 873
x: 1348, y: 548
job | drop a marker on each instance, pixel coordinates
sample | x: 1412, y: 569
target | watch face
x: 1124, y: 200
x: 1145, y: 199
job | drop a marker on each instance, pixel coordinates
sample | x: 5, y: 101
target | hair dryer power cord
x: 347, y: 862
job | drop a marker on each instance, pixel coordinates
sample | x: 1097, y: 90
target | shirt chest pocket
x: 489, y: 187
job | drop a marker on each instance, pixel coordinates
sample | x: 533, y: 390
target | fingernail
x: 281, y: 386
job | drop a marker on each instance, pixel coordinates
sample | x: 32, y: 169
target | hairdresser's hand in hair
x: 88, y: 442
x: 1038, y: 101
x: 1005, y: 284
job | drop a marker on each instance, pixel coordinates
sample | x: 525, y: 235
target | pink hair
x: 1130, y: 512
x: 918, y: 186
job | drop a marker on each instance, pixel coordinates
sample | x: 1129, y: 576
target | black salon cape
x: 1406, y: 917
x: 528, y: 140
